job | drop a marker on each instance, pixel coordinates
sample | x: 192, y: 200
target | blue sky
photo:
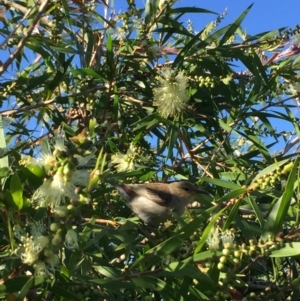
x: 264, y: 15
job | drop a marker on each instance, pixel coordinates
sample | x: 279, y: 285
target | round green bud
x: 61, y: 211
x: 56, y: 240
x: 56, y: 153
x: 223, y: 259
x: 236, y: 261
x: 237, y: 253
x: 54, y: 227
x: 48, y: 252
x: 70, y: 207
x: 226, y: 252
x: 222, y: 267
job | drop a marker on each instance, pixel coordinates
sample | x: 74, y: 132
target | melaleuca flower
x: 227, y: 238
x: 49, y: 151
x: 170, y: 96
x: 65, y: 172
x: 125, y: 162
x: 129, y: 161
x: 122, y: 162
x: 59, y: 142
x: 31, y: 244
x: 213, y: 239
x: 40, y: 269
x: 55, y: 191
x: 47, y: 160
x: 51, y: 259
x: 71, y: 240
x: 34, y: 249
x: 295, y: 40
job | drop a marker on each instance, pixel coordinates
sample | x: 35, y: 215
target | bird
x: 154, y: 203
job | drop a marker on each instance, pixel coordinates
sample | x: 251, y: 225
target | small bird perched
x: 154, y: 202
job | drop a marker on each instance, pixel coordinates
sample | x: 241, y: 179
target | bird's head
x: 186, y: 190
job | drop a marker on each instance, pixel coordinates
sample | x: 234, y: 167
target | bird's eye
x: 186, y: 188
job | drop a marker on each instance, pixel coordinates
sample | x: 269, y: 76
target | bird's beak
x: 202, y: 191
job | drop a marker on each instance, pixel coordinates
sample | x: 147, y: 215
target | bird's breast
x: 147, y: 210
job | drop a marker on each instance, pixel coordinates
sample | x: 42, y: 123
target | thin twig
x: 127, y: 277
x: 25, y: 38
x: 45, y: 103
x: 32, y: 107
x: 16, y: 28
x: 104, y: 221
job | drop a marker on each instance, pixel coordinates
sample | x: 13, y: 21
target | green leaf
x: 62, y: 291
x: 221, y: 183
x: 278, y: 213
x: 232, y: 214
x: 110, y: 58
x: 150, y: 282
x: 151, y: 8
x: 4, y: 160
x: 172, y: 137
x: 59, y: 76
x: 208, y: 230
x: 184, y: 269
x: 290, y: 249
x: 4, y: 172
x: 107, y: 271
x: 16, y: 190
x: 232, y: 195
x: 233, y: 27
x: 205, y: 255
x: 190, y: 10
x: 23, y: 292
x: 18, y: 283
x: 89, y: 72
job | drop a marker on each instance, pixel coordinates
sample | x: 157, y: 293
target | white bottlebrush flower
x: 122, y: 162
x: 213, y: 239
x: 171, y: 95
x: 47, y: 159
x: 294, y: 88
x: 80, y: 177
x: 37, y: 228
x: 52, y: 260
x: 49, y: 151
x: 27, y: 160
x: 31, y: 244
x: 29, y: 250
x: 65, y: 178
x: 71, y: 240
x: 296, y: 40
x: 40, y: 269
x: 227, y: 238
x: 85, y: 160
x: 128, y: 161
x: 59, y: 142
x: 56, y: 190
x: 156, y: 51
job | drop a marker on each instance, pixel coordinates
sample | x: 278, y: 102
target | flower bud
x: 61, y: 211
x: 71, y: 240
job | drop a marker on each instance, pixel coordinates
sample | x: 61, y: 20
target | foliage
x: 91, y: 96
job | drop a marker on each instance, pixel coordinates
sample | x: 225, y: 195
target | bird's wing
x: 159, y: 195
